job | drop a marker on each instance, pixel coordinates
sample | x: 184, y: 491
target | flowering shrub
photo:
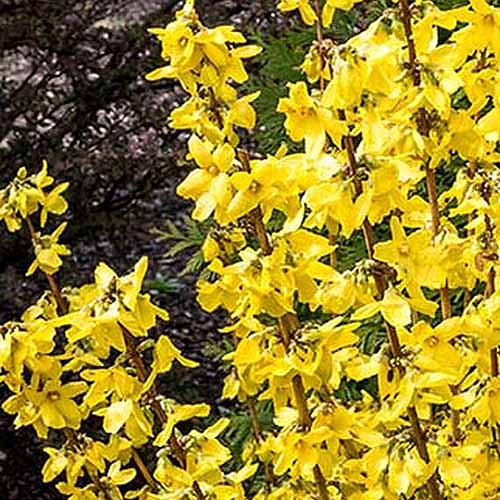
x: 83, y: 353
x: 400, y: 128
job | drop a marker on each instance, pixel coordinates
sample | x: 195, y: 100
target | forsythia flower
x: 304, y: 6
x: 48, y: 251
x: 308, y: 13
x: 307, y: 119
x: 22, y: 197
x: 52, y: 406
x: 209, y: 185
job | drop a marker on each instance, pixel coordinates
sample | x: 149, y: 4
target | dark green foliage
x: 281, y: 60
x: 190, y: 237
x: 240, y: 431
x: 450, y: 4
x: 164, y: 285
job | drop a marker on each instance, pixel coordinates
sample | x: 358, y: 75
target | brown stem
x: 424, y: 129
x: 368, y: 234
x: 430, y: 177
x: 420, y: 441
x: 215, y: 107
x: 259, y: 438
x: 412, y: 53
x: 321, y: 483
x: 287, y: 325
x: 394, y: 343
x: 143, y: 469
x: 494, y: 362
x: 257, y: 431
x: 61, y: 303
x: 143, y: 373
x: 490, y: 284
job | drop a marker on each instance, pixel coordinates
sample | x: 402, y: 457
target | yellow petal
x: 116, y: 415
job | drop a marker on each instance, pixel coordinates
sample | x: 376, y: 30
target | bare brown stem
x: 412, y: 53
x: 143, y: 469
x: 257, y: 431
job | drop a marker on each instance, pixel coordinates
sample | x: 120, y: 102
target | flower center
x: 53, y: 396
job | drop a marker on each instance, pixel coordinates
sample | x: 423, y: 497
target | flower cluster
x: 405, y: 106
x: 83, y: 363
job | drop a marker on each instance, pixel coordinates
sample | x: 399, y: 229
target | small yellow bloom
x: 48, y: 251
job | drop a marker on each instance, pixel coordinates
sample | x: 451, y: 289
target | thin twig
x: 143, y: 373
x: 287, y: 326
x: 143, y: 469
x: 394, y: 343
x: 63, y: 309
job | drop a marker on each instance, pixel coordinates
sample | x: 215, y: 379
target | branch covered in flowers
x: 80, y: 354
x: 383, y: 119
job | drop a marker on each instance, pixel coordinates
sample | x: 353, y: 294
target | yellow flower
x: 52, y: 406
x: 22, y: 197
x: 209, y: 185
x: 331, y: 6
x: 304, y: 6
x: 180, y: 413
x: 309, y: 120
x: 25, y: 345
x: 199, y: 55
x: 253, y: 188
x: 394, y: 308
x: 300, y: 451
x: 333, y: 202
x: 54, y: 203
x: 48, y: 251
